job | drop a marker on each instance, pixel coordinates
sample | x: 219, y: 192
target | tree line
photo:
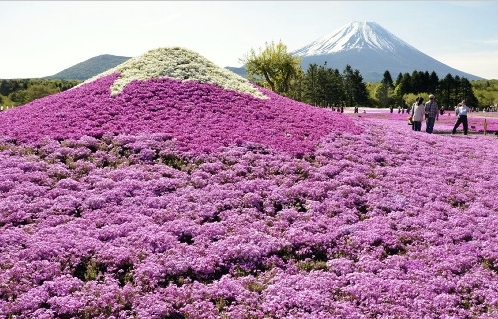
x: 15, y: 92
x: 280, y: 71
x: 448, y: 91
x: 276, y: 69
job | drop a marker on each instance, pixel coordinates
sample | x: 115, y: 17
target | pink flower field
x: 170, y: 188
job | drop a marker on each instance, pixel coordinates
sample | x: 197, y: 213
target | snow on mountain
x: 371, y: 49
x: 354, y: 36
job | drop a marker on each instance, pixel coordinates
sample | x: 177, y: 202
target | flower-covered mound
x: 199, y: 114
x: 176, y: 63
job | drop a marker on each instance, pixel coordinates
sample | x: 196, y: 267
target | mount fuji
x: 371, y: 49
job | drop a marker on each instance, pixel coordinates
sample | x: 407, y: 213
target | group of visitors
x: 430, y: 111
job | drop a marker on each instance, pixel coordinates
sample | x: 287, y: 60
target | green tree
x: 398, y: 79
x: 432, y: 82
x: 334, y: 87
x: 486, y: 92
x: 311, y: 85
x: 322, y: 83
x: 273, y: 67
x: 382, y: 93
x: 419, y: 84
x: 387, y: 80
x: 39, y: 90
x: 354, y: 88
x: 297, y: 86
x: 452, y: 90
x: 447, y: 90
x: 404, y: 85
x: 21, y: 91
x: 4, y: 87
x: 20, y: 97
x: 466, y: 93
x: 323, y: 86
x: 385, y: 90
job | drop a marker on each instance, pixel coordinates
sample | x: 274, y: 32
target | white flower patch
x: 177, y: 63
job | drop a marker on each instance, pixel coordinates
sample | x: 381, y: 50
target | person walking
x: 432, y: 114
x: 461, y: 111
x: 410, y: 119
x: 418, y: 111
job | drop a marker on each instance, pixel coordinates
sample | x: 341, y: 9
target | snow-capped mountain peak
x: 372, y: 50
x: 354, y: 36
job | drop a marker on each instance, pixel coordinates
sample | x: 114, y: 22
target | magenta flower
x: 177, y: 198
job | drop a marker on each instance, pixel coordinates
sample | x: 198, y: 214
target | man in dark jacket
x: 431, y: 114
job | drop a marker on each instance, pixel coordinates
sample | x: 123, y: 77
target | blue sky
x: 41, y: 38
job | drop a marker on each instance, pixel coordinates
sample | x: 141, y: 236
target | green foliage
x: 32, y: 93
x: 297, y: 87
x: 355, y: 88
x: 486, y: 92
x: 310, y: 265
x: 19, y: 97
x: 88, y: 269
x: 17, y: 92
x: 384, y: 93
x: 387, y: 80
x: 281, y: 72
x: 326, y: 87
x: 273, y: 67
x: 323, y: 86
x: 449, y: 91
x: 452, y: 90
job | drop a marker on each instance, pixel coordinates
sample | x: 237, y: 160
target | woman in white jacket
x: 418, y: 114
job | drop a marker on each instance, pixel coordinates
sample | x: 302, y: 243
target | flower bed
x: 129, y: 219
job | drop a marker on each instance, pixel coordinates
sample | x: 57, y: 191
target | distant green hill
x: 89, y: 68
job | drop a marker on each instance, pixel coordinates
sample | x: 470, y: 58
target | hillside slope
x: 177, y: 92
x: 89, y: 68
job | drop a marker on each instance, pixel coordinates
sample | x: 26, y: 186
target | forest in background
x: 281, y: 72
x: 16, y: 92
x: 326, y: 85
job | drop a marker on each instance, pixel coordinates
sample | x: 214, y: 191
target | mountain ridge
x: 365, y: 46
x: 89, y: 68
x: 372, y: 50
x: 351, y: 37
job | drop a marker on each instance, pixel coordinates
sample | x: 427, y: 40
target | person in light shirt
x: 418, y: 109
x: 461, y: 111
